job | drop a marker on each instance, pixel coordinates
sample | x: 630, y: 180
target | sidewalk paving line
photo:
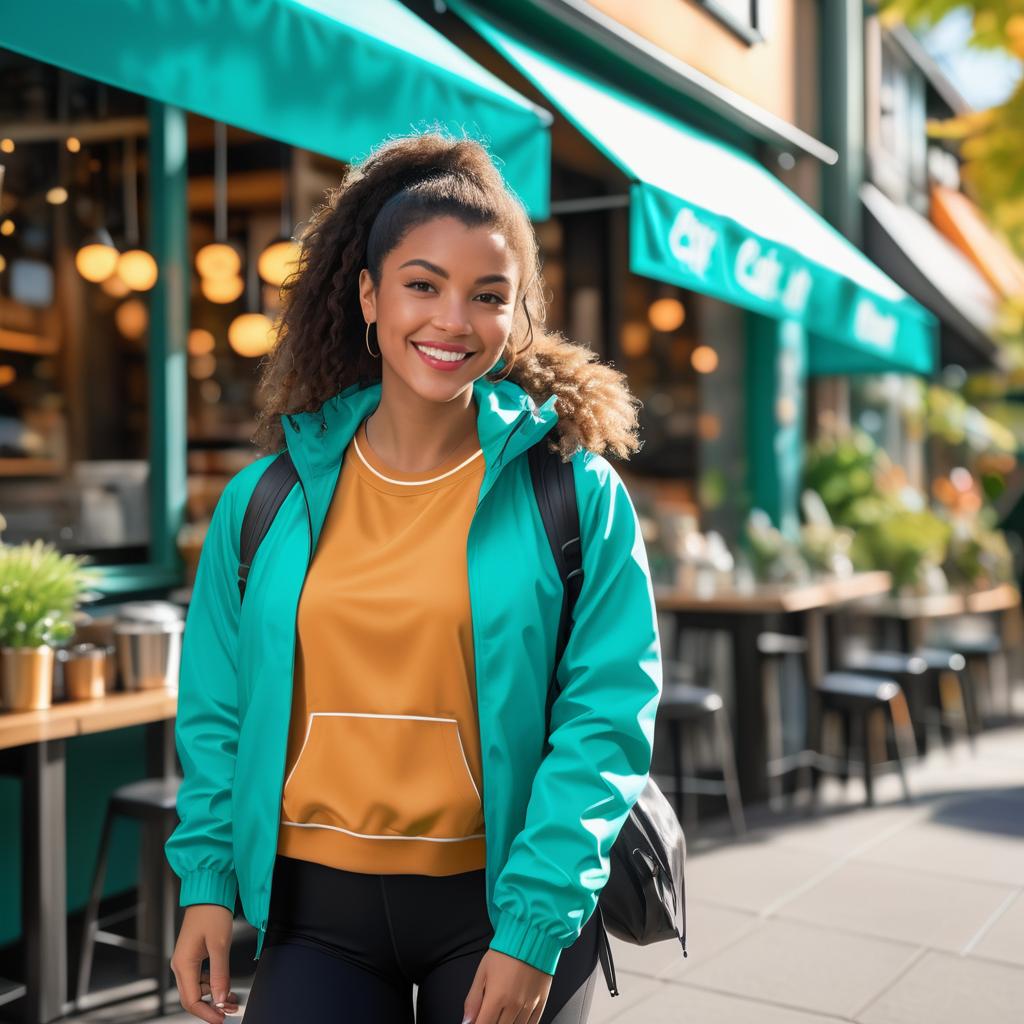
x: 987, y: 926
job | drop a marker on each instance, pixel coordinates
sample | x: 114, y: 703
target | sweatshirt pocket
x: 383, y: 777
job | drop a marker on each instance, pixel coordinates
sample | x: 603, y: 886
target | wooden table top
x: 78, y: 717
x: 774, y: 597
x: 938, y: 606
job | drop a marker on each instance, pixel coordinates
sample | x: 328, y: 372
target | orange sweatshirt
x: 383, y: 771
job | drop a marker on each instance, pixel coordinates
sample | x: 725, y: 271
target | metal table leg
x: 44, y: 882
x: 157, y: 913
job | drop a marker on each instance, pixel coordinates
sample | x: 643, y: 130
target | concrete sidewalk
x: 898, y: 914
x: 893, y: 915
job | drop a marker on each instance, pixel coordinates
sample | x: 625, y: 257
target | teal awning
x: 706, y: 216
x: 333, y: 76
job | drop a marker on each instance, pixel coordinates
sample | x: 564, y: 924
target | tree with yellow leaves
x: 991, y: 141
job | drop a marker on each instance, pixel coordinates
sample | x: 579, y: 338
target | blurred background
x: 796, y: 225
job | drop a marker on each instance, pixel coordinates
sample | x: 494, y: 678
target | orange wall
x: 779, y: 74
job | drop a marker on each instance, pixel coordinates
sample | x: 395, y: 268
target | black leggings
x: 343, y: 946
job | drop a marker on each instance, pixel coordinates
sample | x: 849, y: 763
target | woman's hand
x: 507, y: 989
x: 205, y: 933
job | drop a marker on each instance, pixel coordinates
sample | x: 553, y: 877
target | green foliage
x: 39, y: 589
x: 991, y: 141
x: 846, y: 471
x: 906, y: 544
x: 979, y: 555
x: 843, y: 470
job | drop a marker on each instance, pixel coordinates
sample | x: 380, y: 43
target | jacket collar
x: 508, y: 423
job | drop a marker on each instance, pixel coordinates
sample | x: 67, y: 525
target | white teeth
x: 443, y: 354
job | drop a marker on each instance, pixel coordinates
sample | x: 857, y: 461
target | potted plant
x: 39, y: 590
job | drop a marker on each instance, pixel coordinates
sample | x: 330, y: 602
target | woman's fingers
x: 186, y: 974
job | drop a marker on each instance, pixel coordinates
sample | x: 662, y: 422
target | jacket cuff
x: 205, y: 886
x: 525, y: 941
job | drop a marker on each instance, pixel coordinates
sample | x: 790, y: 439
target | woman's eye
x: 497, y: 299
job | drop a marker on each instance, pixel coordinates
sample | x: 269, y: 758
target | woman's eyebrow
x: 441, y: 272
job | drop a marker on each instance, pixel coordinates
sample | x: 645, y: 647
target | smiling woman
x: 407, y: 811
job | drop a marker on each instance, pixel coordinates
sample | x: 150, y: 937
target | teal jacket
x: 550, y: 821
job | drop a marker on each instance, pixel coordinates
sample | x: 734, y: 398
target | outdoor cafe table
x: 744, y: 614
x: 32, y: 747
x: 912, y: 613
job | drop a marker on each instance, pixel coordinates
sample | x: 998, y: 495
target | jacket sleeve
x: 602, y: 734
x: 206, y: 730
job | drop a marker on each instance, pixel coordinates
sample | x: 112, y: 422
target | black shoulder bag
x: 644, y: 900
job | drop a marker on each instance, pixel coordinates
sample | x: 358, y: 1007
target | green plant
x: 979, y: 555
x: 905, y: 543
x: 844, y: 471
x: 39, y: 589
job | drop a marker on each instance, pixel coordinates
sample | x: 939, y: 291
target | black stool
x: 859, y: 697
x: 958, y: 699
x: 946, y: 668
x: 980, y: 652
x: 773, y: 649
x: 153, y: 802
x: 683, y: 705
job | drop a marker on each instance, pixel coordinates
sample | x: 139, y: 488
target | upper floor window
x: 896, y: 135
x: 747, y: 18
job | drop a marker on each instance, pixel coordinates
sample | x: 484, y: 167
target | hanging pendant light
x: 222, y: 289
x: 96, y: 259
x: 135, y: 266
x: 219, y: 258
x: 251, y: 334
x: 280, y: 257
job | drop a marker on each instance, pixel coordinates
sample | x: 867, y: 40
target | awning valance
x: 939, y: 275
x: 706, y: 216
x: 332, y: 76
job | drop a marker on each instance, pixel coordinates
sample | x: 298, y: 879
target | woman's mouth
x: 440, y: 358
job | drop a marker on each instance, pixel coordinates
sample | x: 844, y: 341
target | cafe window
x: 75, y: 281
x: 683, y: 356
x: 887, y: 407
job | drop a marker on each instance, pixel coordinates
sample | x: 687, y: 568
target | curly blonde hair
x: 403, y: 183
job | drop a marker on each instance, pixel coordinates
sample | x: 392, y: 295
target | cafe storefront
x: 728, y: 290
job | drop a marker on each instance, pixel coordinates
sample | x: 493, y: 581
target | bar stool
x: 153, y: 802
x: 860, y: 697
x: 980, y: 652
x: 941, y: 666
x: 774, y: 648
x: 958, y: 699
x: 685, y: 706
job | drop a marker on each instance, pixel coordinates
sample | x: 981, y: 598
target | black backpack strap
x: 555, y: 489
x: 267, y: 497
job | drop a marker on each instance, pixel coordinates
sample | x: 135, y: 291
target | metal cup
x: 85, y: 671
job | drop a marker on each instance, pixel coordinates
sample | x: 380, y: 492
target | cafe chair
x: 862, y: 699
x: 153, y: 803
x: 685, y: 707
x: 949, y: 697
x: 773, y: 649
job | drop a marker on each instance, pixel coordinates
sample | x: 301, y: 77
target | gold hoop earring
x: 376, y: 355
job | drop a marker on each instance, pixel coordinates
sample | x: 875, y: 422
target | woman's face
x: 448, y: 286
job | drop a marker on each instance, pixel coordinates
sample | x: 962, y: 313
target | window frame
x: 751, y: 31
